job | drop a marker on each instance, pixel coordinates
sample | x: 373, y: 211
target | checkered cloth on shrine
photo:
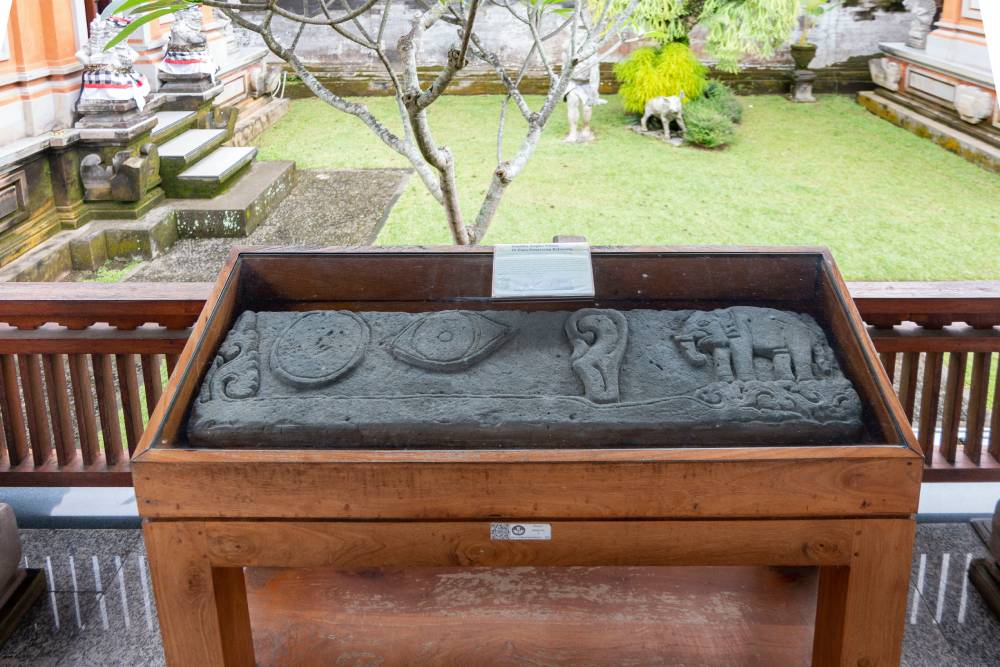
x: 115, y: 86
x: 188, y: 62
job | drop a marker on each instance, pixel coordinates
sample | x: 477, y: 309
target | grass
x: 892, y: 206
x: 112, y: 271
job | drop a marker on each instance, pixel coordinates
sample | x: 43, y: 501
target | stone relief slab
x: 590, y: 377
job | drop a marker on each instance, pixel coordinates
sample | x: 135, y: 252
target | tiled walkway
x: 99, y: 609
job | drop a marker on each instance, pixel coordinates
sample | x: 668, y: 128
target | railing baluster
x: 953, y: 398
x: 128, y: 385
x: 107, y: 408
x: 34, y: 403
x: 13, y: 418
x: 62, y: 420
x: 930, y: 393
x: 171, y: 363
x: 976, y: 420
x: 995, y: 418
x: 908, y: 382
x: 83, y: 402
x: 889, y: 363
x: 151, y: 383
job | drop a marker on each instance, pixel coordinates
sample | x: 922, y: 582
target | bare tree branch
x: 359, y: 111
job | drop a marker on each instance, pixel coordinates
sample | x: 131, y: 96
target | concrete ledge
x: 238, y: 211
x: 972, y: 149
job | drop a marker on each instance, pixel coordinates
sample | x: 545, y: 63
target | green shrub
x: 649, y: 73
x: 706, y: 125
x: 724, y: 100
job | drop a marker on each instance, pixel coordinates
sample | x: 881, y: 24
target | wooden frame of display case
x: 847, y: 509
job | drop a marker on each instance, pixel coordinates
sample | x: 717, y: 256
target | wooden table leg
x: 861, y: 608
x: 203, y: 612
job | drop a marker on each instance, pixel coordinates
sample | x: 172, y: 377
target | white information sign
x: 542, y: 270
x: 513, y: 532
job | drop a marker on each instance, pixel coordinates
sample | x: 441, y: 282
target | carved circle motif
x: 319, y: 347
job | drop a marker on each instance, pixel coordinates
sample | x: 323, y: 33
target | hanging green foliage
x: 735, y: 28
x: 738, y: 28
x: 649, y: 73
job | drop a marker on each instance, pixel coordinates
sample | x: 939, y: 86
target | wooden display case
x: 846, y: 508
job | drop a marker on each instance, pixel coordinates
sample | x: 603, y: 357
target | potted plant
x: 803, y: 51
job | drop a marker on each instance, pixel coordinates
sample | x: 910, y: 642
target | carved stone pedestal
x: 802, y: 85
x: 985, y: 572
x: 19, y: 588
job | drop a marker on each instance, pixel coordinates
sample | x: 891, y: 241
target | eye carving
x: 319, y: 347
x: 449, y: 342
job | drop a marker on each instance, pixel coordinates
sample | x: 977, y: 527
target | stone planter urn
x: 803, y: 54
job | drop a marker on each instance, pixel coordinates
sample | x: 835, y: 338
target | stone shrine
x: 939, y: 82
x: 341, y: 379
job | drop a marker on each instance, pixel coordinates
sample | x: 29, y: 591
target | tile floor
x: 99, y: 607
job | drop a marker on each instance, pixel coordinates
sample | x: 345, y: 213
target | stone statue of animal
x: 732, y: 337
x: 185, y: 33
x: 666, y: 109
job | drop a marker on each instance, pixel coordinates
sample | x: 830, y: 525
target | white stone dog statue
x: 666, y: 109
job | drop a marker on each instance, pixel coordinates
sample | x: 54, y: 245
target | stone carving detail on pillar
x: 732, y: 338
x: 449, y: 341
x: 526, y: 379
x: 114, y: 93
x: 319, y: 347
x: 235, y: 372
x: 187, y: 65
x: 974, y: 105
x: 127, y: 178
x: 598, y: 338
x: 923, y: 20
x: 885, y: 73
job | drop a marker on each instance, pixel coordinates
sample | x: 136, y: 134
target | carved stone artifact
x: 583, y: 93
x: 802, y: 85
x: 127, y: 178
x: 973, y: 104
x: 187, y: 65
x: 527, y: 379
x: 885, y: 72
x: 667, y: 109
x: 923, y: 12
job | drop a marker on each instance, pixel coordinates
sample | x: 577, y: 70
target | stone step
x: 208, y: 177
x: 237, y: 212
x: 244, y: 205
x: 191, y: 146
x: 170, y: 123
x: 184, y: 151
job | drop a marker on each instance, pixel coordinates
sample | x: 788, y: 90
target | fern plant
x: 649, y: 72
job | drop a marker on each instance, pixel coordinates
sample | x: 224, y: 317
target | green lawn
x: 892, y: 206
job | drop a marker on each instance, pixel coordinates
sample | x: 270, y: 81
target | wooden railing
x: 81, y: 365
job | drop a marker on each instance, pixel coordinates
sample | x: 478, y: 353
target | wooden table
x: 846, y: 509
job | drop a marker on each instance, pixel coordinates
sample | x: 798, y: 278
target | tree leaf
x: 124, y: 33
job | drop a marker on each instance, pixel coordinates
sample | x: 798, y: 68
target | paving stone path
x: 326, y: 208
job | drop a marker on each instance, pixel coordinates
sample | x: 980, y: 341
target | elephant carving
x: 732, y: 337
x: 598, y: 338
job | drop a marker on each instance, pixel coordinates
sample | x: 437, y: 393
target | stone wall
x: 842, y: 33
